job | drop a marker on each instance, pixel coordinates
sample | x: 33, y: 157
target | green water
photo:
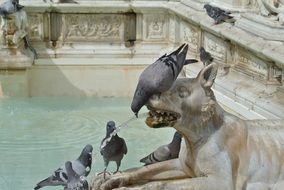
x: 37, y: 135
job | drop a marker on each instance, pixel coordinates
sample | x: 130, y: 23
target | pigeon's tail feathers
x: 19, y: 7
x: 227, y: 18
x: 146, y: 160
x: 150, y: 159
x: 43, y: 183
x: 189, y: 61
x: 177, y: 51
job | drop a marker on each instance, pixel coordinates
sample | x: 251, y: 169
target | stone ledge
x: 265, y: 49
x: 244, y: 95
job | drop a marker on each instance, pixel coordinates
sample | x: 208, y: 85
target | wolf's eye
x: 183, y: 92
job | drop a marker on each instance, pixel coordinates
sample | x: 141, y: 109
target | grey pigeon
x: 164, y: 152
x: 218, y: 14
x: 115, y: 149
x: 82, y: 166
x: 205, y: 57
x: 74, y: 181
x: 10, y: 7
x: 159, y: 76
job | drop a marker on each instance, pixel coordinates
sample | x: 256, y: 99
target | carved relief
x: 252, y: 66
x: 216, y: 47
x: 191, y: 35
x: 35, y: 22
x: 93, y: 27
x: 155, y: 26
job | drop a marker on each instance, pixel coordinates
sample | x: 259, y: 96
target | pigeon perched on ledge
x: 218, y: 14
x: 82, y: 166
x: 115, y: 149
x: 159, y: 76
x: 205, y: 57
x: 164, y: 152
x: 74, y: 181
x: 10, y: 7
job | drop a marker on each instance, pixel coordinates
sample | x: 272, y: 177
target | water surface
x: 37, y: 135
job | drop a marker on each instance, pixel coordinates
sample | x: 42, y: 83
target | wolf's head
x: 187, y: 100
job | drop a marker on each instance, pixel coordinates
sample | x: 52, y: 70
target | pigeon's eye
x: 183, y: 92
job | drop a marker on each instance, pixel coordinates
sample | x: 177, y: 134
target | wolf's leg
x: 166, y: 170
x: 200, y: 183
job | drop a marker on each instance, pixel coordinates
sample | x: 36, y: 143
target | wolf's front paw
x: 115, y: 181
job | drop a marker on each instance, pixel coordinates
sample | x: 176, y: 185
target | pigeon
x: 164, y: 152
x: 159, y: 76
x: 218, y: 14
x: 114, y: 150
x: 82, y: 167
x: 10, y: 7
x: 63, y: 1
x: 74, y: 181
x: 205, y: 57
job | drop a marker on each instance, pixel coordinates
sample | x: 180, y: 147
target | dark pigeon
x: 115, y: 149
x: 74, y: 181
x: 218, y: 14
x: 205, y: 57
x: 10, y: 7
x: 159, y: 76
x: 82, y: 166
x: 165, y: 152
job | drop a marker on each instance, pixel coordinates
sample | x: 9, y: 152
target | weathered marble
x: 13, y: 52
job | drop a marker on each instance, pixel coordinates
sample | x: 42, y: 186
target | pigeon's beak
x: 136, y: 114
x: 90, y: 153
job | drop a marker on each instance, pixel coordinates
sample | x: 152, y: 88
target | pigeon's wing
x: 124, y: 147
x: 79, y: 168
x: 160, y: 154
x: 163, y: 153
x: 58, y: 178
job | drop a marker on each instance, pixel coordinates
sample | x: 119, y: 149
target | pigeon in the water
x: 205, y: 57
x: 82, y: 166
x: 159, y: 76
x: 10, y: 7
x: 218, y: 14
x: 64, y: 1
x: 164, y: 152
x: 115, y: 149
x: 74, y: 181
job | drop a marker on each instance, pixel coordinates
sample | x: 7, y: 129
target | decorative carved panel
x: 93, y: 27
x: 251, y: 65
x: 35, y: 22
x: 191, y: 35
x: 155, y: 26
x: 217, y: 47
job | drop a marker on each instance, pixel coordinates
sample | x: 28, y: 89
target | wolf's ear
x: 207, y: 75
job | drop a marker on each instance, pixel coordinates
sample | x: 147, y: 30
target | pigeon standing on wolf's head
x: 218, y: 14
x: 205, y: 57
x: 164, y: 152
x: 82, y: 166
x: 74, y: 181
x: 159, y: 76
x: 115, y: 149
x: 10, y: 7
